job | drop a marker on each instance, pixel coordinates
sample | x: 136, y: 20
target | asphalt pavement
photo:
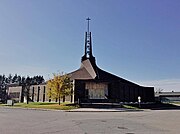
x: 30, y: 121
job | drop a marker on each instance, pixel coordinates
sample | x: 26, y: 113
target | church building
x: 92, y: 84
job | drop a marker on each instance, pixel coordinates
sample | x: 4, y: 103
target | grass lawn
x: 129, y: 107
x: 46, y: 105
x: 177, y: 102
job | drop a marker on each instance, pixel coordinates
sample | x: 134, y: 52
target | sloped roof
x: 85, y: 72
x: 88, y: 66
x: 89, y: 71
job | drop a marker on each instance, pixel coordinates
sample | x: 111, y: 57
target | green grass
x: 46, y: 105
x: 177, y: 102
x: 129, y: 107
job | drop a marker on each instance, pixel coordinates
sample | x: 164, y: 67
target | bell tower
x: 88, y: 46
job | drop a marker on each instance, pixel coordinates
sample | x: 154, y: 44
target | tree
x: 27, y: 87
x: 19, y: 79
x: 59, y: 86
x: 3, y: 87
x: 10, y: 79
x: 159, y: 90
x: 15, y: 79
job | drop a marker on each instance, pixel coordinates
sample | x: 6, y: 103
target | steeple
x: 88, y: 45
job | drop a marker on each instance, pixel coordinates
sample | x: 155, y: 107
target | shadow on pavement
x: 158, y: 106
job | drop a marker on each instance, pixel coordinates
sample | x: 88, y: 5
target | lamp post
x: 139, y: 101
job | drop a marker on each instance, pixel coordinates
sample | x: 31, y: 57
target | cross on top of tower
x: 88, y: 19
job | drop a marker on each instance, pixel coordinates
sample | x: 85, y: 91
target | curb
x: 99, y: 110
x: 40, y: 109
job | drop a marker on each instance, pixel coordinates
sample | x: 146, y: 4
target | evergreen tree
x: 15, y: 79
x: 2, y: 88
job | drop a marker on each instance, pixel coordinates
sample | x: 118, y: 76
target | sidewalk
x: 103, y: 110
x: 80, y: 109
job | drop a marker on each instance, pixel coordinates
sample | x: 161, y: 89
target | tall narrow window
x: 44, y: 94
x: 50, y: 95
x: 33, y: 94
x: 38, y: 94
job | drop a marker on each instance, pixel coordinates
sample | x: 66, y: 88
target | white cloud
x: 166, y: 85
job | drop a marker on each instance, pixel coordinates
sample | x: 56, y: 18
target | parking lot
x: 23, y: 121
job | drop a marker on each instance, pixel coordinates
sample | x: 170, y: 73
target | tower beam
x: 88, y: 44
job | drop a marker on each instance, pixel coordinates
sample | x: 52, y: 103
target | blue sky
x: 137, y: 40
